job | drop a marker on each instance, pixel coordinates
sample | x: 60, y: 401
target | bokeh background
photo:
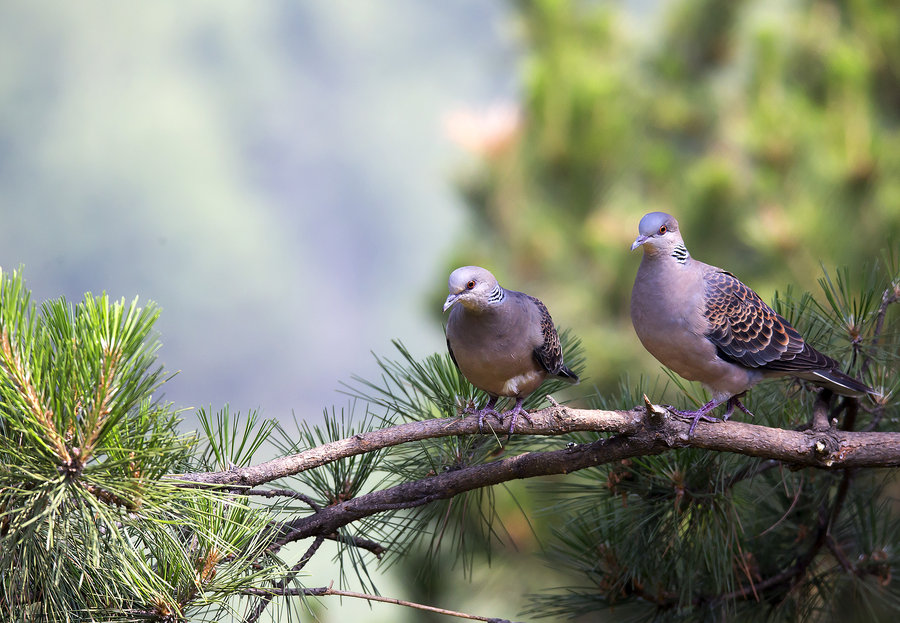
x: 274, y: 175
x: 292, y: 181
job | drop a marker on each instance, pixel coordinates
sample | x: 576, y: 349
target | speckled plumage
x: 749, y: 332
x: 704, y: 324
x: 504, y: 342
x: 549, y: 352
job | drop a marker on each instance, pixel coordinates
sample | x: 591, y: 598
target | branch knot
x: 827, y: 448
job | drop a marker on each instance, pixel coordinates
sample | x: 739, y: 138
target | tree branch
x: 266, y: 597
x: 550, y: 421
x: 288, y: 493
x: 452, y: 483
x: 888, y: 297
x: 659, y: 433
x: 641, y: 431
x: 827, y: 448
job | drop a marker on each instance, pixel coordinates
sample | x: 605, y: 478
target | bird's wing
x: 452, y: 356
x: 549, y: 353
x: 747, y: 331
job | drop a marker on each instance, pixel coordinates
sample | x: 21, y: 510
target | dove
x: 705, y: 325
x: 504, y: 342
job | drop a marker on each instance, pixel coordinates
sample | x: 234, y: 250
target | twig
x: 267, y: 597
x: 889, y: 297
x: 839, y: 555
x: 325, y: 591
x: 820, y: 420
x: 288, y: 493
x: 357, y: 541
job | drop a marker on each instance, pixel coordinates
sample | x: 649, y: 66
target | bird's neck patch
x: 680, y: 253
x: 497, y: 295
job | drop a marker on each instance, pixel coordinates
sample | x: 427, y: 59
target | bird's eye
x: 470, y: 285
x: 663, y: 230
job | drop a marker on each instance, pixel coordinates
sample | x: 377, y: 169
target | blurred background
x: 274, y: 175
x: 293, y: 181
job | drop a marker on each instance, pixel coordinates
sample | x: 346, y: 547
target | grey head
x: 474, y: 287
x: 659, y: 234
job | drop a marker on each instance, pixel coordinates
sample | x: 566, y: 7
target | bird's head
x: 473, y: 287
x: 658, y: 233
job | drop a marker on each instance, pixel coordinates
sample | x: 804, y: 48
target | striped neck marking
x: 497, y: 295
x: 680, y: 253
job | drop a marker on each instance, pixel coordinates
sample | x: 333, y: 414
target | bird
x: 705, y: 325
x: 504, y: 342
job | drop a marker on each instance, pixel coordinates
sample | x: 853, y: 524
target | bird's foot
x: 483, y: 413
x: 731, y: 404
x: 701, y: 414
x: 486, y: 410
x: 740, y: 405
x: 515, y: 412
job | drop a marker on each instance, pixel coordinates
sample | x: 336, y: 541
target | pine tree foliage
x: 89, y: 528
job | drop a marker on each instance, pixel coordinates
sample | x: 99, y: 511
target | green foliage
x: 232, y: 442
x: 89, y: 527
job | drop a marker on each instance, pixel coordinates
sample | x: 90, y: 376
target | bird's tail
x: 567, y: 375
x: 839, y: 383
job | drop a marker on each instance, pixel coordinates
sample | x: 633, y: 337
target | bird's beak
x: 639, y: 241
x: 451, y: 301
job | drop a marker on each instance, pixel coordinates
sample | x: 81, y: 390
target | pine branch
x: 783, y: 581
x: 656, y: 433
x: 373, y: 547
x: 546, y: 422
x: 289, y: 493
x: 889, y: 297
x: 450, y: 484
x: 324, y: 591
x: 266, y: 597
x: 13, y: 367
x: 827, y: 448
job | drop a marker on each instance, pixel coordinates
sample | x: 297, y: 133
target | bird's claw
x: 483, y: 413
x: 489, y: 410
x: 693, y: 419
x: 486, y: 410
x: 515, y: 412
x: 700, y: 415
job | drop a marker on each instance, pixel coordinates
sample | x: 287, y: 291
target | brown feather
x: 747, y: 331
x: 549, y: 354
